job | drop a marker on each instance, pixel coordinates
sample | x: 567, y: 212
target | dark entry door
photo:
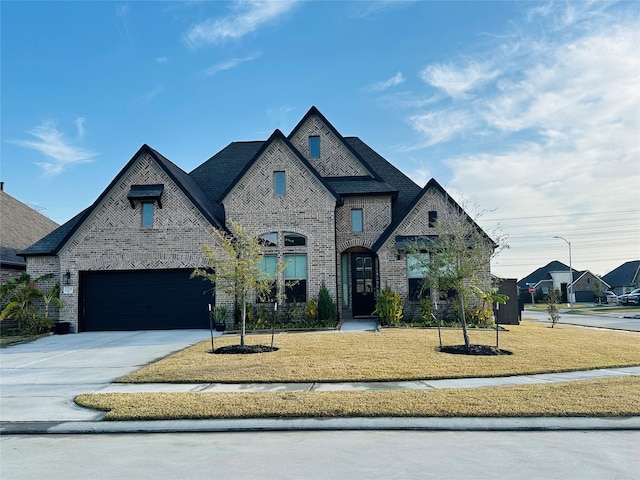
x: 363, y: 284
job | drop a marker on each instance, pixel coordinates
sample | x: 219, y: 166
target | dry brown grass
x: 607, y: 397
x: 396, y: 354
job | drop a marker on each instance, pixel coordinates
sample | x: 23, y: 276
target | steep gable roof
x: 577, y: 276
x: 542, y: 273
x: 431, y: 184
x: 218, y: 173
x: 52, y: 243
x: 625, y: 275
x: 278, y: 135
x: 313, y: 111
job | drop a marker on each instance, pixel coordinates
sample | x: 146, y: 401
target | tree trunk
x: 244, y: 320
x: 463, y: 322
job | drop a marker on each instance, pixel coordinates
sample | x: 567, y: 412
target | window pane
x: 433, y: 217
x: 296, y: 291
x: 314, y: 147
x: 147, y: 214
x: 417, y: 265
x: 269, y: 239
x: 294, y: 239
x: 279, y: 183
x: 268, y: 265
x: 418, y: 289
x: 295, y: 267
x: 345, y: 279
x: 356, y: 220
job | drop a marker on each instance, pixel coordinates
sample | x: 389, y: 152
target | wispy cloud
x: 397, y: 79
x: 51, y: 142
x: 162, y: 60
x: 249, y: 15
x: 548, y: 133
x: 151, y: 94
x: 459, y: 80
x: 228, y: 65
x: 122, y: 13
x: 369, y: 9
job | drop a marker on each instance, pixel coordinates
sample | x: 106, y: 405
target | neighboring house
x: 588, y: 287
x: 624, y: 278
x: 20, y: 226
x: 328, y: 206
x: 556, y: 275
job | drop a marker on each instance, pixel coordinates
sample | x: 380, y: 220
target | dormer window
x: 147, y: 215
x: 314, y: 147
x: 148, y: 196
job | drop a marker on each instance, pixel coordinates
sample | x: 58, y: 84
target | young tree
x: 234, y: 267
x: 459, y: 258
x: 552, y: 306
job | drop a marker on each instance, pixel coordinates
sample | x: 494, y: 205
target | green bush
x: 327, y: 312
x: 389, y: 307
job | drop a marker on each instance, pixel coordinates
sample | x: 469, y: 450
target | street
x: 545, y: 455
x: 617, y: 320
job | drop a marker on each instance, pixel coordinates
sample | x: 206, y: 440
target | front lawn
x: 392, y: 354
x: 395, y: 354
x: 605, y: 397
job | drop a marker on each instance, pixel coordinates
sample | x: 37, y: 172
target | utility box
x: 508, y: 314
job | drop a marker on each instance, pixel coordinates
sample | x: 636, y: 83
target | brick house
x: 328, y: 206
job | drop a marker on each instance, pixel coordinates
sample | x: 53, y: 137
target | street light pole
x: 570, y: 287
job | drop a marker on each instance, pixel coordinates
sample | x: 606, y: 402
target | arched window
x: 294, y: 240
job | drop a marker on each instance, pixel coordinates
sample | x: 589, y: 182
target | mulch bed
x: 243, y: 349
x: 475, y: 350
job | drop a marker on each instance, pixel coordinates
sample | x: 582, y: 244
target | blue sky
x: 529, y: 112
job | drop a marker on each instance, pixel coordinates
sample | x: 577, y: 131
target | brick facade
x: 112, y: 237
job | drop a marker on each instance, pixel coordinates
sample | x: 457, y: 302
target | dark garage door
x: 143, y: 300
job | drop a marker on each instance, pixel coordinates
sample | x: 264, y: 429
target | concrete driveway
x: 38, y: 380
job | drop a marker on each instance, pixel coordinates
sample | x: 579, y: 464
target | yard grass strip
x: 605, y: 397
x: 396, y: 354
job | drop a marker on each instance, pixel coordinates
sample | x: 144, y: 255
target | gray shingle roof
x: 542, y: 273
x: 207, y: 184
x: 625, y: 275
x: 347, y: 186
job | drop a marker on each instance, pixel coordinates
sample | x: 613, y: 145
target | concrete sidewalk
x: 354, y: 386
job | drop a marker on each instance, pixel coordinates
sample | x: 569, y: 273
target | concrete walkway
x: 354, y: 386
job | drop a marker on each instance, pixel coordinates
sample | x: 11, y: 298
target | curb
x: 477, y: 424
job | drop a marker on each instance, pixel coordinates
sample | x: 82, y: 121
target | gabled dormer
x: 322, y: 146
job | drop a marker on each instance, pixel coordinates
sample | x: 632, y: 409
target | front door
x: 363, y: 284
